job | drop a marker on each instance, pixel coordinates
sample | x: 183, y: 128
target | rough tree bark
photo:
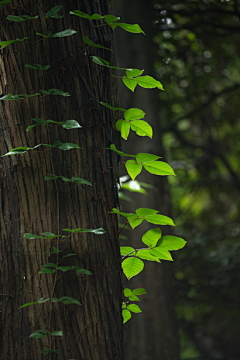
x: 154, y: 334
x: 28, y: 203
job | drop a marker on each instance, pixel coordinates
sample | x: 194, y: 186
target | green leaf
x: 134, y: 114
x: 151, y: 237
x: 78, y: 180
x: 16, y: 151
x: 56, y: 333
x: 169, y: 242
x: 31, y: 236
x: 133, y: 168
x: 126, y: 314
x: 133, y: 72
x: 83, y: 271
x: 132, y: 266
x: 66, y: 300
x: 142, y: 128
x: 113, y: 148
x: 134, y: 308
x: 21, y: 18
x: 28, y: 304
x: 144, y: 254
x: 124, y: 128
x: 91, y: 43
x: 53, y: 12
x: 111, y: 107
x: 110, y: 18
x: 65, y: 268
x: 139, y: 291
x: 68, y: 146
x: 158, y: 168
x: 99, y: 231
x: 17, y: 97
x: 4, y: 44
x: 67, y: 32
x: 70, y: 124
x: 134, y: 220
x: 145, y: 211
x: 145, y: 157
x: 49, y: 270
x: 159, y: 220
x: 148, y: 82
x: 134, y: 298
x: 39, y: 334
x: 55, y: 92
x: 37, y: 66
x: 132, y: 28
x: 47, y: 234
x: 161, y: 254
x: 85, y: 16
x: 50, y: 265
x: 49, y: 351
x: 125, y: 250
x: 130, y: 83
x: 127, y: 292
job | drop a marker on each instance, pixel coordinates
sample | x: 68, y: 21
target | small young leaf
x: 91, y: 43
x: 110, y: 18
x: 130, y: 83
x: 144, y: 254
x: 83, y: 271
x: 68, y: 146
x: 158, y: 168
x: 139, y: 291
x: 127, y: 292
x: 134, y: 114
x: 125, y: 250
x: 80, y: 181
x: 134, y: 298
x: 134, y: 308
x: 132, y: 266
x: 39, y: 334
x: 145, y: 211
x: 21, y: 18
x: 133, y: 72
x: 56, y: 333
x: 113, y: 148
x: 47, y: 270
x: 52, y: 265
x: 159, y: 220
x: 69, y: 300
x: 4, y: 44
x: 132, y: 28
x: 133, y: 168
x: 161, y: 254
x: 53, y: 11
x: 124, y: 128
x: 145, y: 157
x: 126, y: 314
x: 169, y: 242
x: 134, y: 220
x: 142, y: 128
x: 5, y: 2
x: 151, y: 237
x: 111, y: 107
x: 70, y: 124
x: 67, y: 32
x: 148, y: 82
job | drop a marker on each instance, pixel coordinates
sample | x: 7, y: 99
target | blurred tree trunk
x: 29, y: 204
x: 153, y: 334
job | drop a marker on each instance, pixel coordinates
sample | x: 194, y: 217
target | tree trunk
x: 30, y: 204
x: 153, y: 334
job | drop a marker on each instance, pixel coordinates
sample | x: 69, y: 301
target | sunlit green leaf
x: 134, y: 308
x: 151, y: 237
x: 132, y: 266
x: 159, y: 220
x: 124, y: 128
x: 126, y: 314
x: 130, y: 83
x: 67, y: 32
x: 148, y: 82
x: 169, y: 242
x: 161, y: 254
x: 127, y: 292
x: 134, y: 114
x: 139, y: 291
x: 4, y: 44
x: 133, y: 168
x: 142, y: 128
x: 145, y: 211
x: 125, y: 250
x: 158, y: 168
x: 144, y: 254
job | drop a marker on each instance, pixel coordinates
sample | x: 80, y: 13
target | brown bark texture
x: 153, y: 334
x: 30, y: 204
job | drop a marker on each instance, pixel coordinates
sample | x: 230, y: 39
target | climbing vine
x: 156, y: 247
